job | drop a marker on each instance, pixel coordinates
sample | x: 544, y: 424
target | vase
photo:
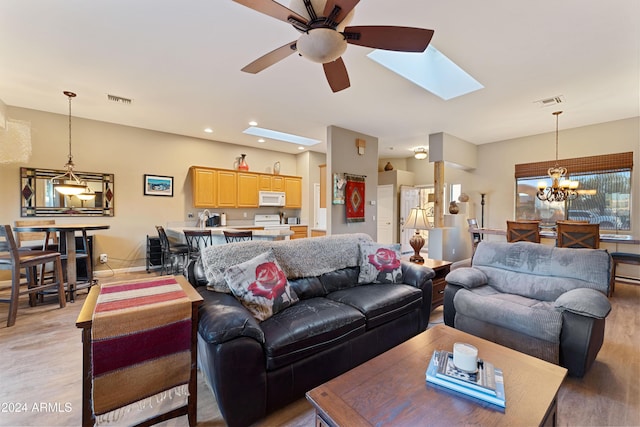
x: 388, y: 166
x: 276, y: 168
x: 464, y: 197
x: 453, y: 208
x: 242, y: 163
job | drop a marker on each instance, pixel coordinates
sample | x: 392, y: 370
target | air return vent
x: 119, y: 99
x: 551, y: 101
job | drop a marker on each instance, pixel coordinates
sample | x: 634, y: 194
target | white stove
x: 269, y: 222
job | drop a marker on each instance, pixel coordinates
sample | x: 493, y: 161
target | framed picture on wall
x: 157, y: 185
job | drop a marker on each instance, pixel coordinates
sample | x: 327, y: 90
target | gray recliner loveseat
x: 544, y: 301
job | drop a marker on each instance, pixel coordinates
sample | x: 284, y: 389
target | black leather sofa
x: 255, y: 368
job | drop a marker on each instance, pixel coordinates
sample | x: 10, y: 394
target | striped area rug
x: 141, y: 342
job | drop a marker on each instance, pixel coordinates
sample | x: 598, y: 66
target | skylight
x: 280, y: 136
x: 430, y: 69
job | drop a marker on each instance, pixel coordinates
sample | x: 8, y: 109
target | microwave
x: 271, y: 198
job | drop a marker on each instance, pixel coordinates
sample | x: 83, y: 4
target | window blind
x: 604, y: 163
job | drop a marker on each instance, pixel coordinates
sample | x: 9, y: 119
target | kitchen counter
x: 177, y: 233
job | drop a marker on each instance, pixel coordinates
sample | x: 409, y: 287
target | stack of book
x: 486, y: 384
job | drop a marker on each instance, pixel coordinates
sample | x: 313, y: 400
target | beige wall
x: 129, y: 153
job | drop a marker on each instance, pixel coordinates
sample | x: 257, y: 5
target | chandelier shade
x: 562, y: 188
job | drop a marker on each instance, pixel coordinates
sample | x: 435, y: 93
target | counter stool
x: 622, y: 258
x: 11, y: 258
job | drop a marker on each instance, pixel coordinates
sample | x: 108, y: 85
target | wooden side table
x: 84, y: 322
x: 441, y: 268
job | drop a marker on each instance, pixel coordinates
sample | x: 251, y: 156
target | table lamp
x: 418, y: 221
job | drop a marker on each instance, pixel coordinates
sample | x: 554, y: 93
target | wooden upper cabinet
x: 323, y: 186
x: 227, y: 189
x: 247, y: 190
x: 293, y: 191
x: 277, y: 183
x: 264, y: 182
x: 204, y: 183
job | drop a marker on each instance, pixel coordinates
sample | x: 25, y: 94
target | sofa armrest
x: 223, y: 318
x: 416, y: 275
x: 584, y: 302
x: 195, y: 273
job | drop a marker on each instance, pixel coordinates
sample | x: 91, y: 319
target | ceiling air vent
x: 551, y: 101
x: 119, y: 99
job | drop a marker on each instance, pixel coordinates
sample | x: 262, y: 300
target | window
x: 604, y: 192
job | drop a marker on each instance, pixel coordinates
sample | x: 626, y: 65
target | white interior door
x: 385, y: 214
x: 409, y: 198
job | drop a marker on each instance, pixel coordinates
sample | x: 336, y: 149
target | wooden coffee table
x: 391, y: 389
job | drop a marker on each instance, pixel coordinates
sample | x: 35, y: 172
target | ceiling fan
x: 325, y: 35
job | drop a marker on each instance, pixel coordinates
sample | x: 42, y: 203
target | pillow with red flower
x: 261, y: 286
x: 380, y: 263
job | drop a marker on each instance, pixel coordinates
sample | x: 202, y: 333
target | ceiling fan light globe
x: 321, y: 45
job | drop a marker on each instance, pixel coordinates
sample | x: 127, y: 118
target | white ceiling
x: 180, y: 62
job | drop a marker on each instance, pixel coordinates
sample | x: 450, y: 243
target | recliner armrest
x: 223, y: 318
x: 585, y: 302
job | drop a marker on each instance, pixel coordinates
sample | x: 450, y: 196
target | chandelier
x: 68, y: 183
x: 562, y: 188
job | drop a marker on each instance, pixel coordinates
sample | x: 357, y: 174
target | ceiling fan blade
x: 345, y: 6
x: 273, y: 9
x: 403, y: 39
x: 270, y: 58
x: 337, y: 75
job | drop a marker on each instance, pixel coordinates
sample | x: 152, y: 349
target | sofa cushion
x: 379, y: 263
x: 527, y: 316
x: 340, y: 279
x: 380, y: 303
x: 308, y: 287
x: 261, y: 286
x: 309, y: 327
x: 586, y: 302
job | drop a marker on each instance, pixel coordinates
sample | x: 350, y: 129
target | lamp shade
x: 417, y: 219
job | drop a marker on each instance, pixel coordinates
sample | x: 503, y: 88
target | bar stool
x: 13, y: 259
x: 523, y: 231
x: 237, y: 236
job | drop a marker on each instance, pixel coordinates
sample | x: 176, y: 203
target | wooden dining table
x: 69, y: 233
x: 551, y: 234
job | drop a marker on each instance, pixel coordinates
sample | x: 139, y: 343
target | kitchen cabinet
x: 277, y: 183
x: 323, y: 186
x: 299, y: 231
x: 264, y: 183
x: 247, y: 196
x: 293, y: 191
x: 204, y: 183
x: 227, y: 189
x: 318, y: 233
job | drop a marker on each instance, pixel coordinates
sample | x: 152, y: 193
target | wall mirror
x: 38, y: 198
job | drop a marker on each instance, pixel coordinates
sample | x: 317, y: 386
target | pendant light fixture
x: 562, y: 189
x: 420, y: 153
x: 68, y: 183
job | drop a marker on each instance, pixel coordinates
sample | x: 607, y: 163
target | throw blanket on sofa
x: 140, y: 343
x: 298, y: 258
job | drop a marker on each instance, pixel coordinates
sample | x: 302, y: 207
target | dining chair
x: 11, y: 258
x: 523, y: 231
x: 36, y: 239
x: 171, y: 252
x: 576, y: 235
x: 238, y: 236
x: 196, y: 240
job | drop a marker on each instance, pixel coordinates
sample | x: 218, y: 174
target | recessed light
x: 252, y: 123
x: 300, y: 148
x: 208, y: 130
x: 261, y: 140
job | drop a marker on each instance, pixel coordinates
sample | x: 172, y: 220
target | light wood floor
x: 40, y: 372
